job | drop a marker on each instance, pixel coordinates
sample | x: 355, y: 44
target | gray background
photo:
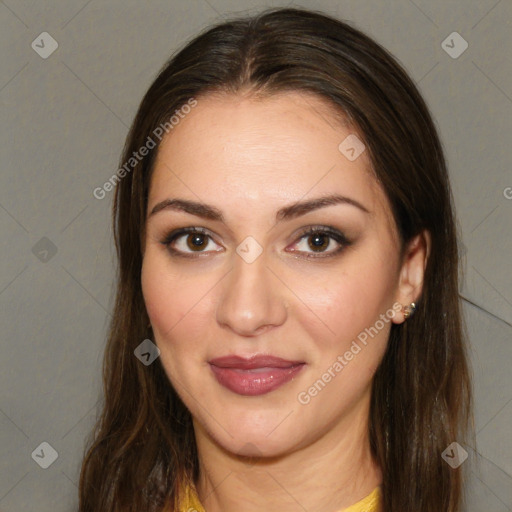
x: 64, y: 120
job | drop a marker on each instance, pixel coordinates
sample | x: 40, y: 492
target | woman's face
x: 250, y: 175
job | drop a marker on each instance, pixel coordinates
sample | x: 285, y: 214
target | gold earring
x: 409, y: 310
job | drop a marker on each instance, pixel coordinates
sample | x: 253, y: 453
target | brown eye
x: 186, y: 241
x: 318, y: 242
x: 197, y: 241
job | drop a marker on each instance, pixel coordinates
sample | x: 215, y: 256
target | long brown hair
x: 142, y: 450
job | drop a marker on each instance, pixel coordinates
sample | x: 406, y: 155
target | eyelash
x: 331, y: 232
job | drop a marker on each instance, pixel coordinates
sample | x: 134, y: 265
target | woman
x: 288, y: 282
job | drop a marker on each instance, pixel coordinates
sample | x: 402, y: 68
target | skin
x: 248, y: 158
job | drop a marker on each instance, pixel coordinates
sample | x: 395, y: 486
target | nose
x: 252, y: 299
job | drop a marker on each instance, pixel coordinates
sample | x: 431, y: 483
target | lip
x: 256, y: 375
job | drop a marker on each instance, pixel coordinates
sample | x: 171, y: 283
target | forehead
x: 256, y: 151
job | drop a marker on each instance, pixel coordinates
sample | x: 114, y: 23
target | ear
x: 412, y: 272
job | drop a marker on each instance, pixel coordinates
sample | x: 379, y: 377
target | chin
x: 255, y: 447
x: 253, y: 441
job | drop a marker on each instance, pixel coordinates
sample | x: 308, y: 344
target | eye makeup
x: 191, y: 242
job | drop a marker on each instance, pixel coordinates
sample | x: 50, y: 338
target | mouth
x: 256, y: 375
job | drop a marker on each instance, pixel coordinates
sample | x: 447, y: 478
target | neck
x: 331, y: 473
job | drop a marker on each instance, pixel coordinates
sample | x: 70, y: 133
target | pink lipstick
x: 254, y: 376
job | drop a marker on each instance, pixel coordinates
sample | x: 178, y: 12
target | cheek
x: 179, y: 308
x: 178, y: 305
x: 350, y: 341
x: 350, y: 300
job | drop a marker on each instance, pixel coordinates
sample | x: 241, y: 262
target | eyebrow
x: 286, y: 213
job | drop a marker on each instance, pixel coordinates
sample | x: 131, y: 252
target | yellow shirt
x: 368, y: 504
